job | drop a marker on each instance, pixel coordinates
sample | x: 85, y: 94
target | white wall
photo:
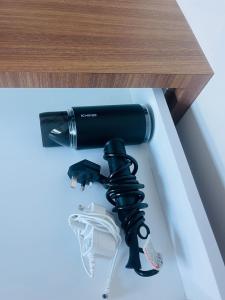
x: 202, y: 129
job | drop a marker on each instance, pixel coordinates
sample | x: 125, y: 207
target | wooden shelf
x: 101, y: 43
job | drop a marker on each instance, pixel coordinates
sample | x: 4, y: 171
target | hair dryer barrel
x: 92, y: 126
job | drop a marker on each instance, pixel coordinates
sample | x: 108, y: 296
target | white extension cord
x: 98, y: 235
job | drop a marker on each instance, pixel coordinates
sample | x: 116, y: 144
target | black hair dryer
x: 93, y: 126
x: 111, y: 127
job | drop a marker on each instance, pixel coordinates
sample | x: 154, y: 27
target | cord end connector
x: 84, y: 172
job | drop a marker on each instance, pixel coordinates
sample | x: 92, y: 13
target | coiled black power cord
x: 123, y: 192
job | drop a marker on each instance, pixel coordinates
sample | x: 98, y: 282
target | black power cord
x: 123, y: 192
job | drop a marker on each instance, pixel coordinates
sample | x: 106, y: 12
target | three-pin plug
x: 84, y: 172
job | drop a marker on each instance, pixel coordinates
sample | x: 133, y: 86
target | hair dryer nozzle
x: 54, y: 128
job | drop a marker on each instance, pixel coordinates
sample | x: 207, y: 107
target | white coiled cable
x: 98, y: 235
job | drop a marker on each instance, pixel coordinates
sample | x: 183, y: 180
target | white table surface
x: 39, y: 254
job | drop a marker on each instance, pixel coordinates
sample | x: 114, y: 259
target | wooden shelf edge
x: 186, y: 87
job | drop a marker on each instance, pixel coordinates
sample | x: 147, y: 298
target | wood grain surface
x: 100, y: 43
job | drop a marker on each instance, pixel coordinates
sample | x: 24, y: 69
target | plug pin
x: 82, y: 187
x: 73, y: 182
x: 90, y: 184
